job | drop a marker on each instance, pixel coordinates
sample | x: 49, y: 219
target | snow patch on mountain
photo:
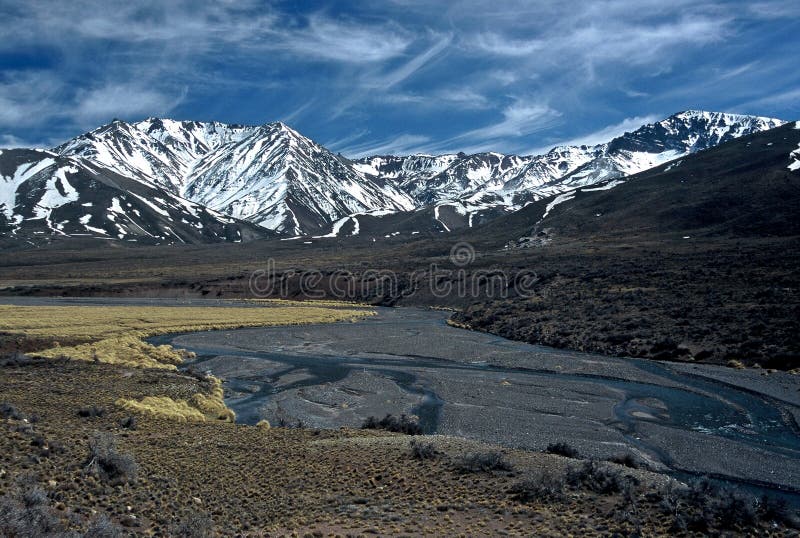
x: 794, y: 156
x: 273, y: 176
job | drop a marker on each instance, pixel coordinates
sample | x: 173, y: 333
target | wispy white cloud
x: 357, y: 70
x: 519, y: 118
x: 400, y: 145
x: 500, y: 45
x: 29, y: 97
x: 609, y: 132
x: 346, y: 141
x: 298, y: 112
x: 775, y: 9
x: 98, y: 104
x: 377, y: 82
x: 11, y: 141
x: 416, y: 63
x: 459, y: 98
x: 770, y: 102
x: 347, y: 42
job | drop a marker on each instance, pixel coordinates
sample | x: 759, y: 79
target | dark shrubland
x: 195, y: 525
x: 402, y: 424
x: 562, y: 449
x: 26, y: 512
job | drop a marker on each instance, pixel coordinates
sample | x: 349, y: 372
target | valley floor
x: 252, y: 479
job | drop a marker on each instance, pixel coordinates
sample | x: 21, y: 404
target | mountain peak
x: 272, y: 175
x: 727, y: 116
x: 280, y: 127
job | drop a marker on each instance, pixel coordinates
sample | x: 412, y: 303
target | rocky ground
x: 698, y: 419
x: 201, y: 479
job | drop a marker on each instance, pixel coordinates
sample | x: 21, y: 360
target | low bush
x: 628, y: 460
x: 102, y: 527
x: 391, y: 423
x: 423, y: 451
x: 128, y: 423
x: 9, y: 411
x: 484, y: 462
x: 541, y: 486
x: 776, y: 511
x: 562, y: 449
x: 108, y: 463
x: 91, y: 412
x: 596, y: 477
x: 25, y: 512
x: 195, y: 525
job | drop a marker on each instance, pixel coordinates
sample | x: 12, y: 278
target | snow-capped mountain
x: 283, y: 181
x: 43, y: 194
x: 490, y: 179
x: 268, y: 174
x: 272, y: 176
x: 158, y: 151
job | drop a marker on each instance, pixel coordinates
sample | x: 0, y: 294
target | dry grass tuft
x: 163, y: 407
x: 114, y: 334
x: 199, y: 408
x: 213, y: 405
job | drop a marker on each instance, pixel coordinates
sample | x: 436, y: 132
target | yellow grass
x: 114, y: 334
x: 312, y: 302
x: 165, y: 407
x: 200, y: 407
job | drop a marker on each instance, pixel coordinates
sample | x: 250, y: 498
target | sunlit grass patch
x: 164, y: 407
x: 115, y: 334
x: 201, y: 407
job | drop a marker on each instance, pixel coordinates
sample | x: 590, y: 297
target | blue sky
x: 395, y: 76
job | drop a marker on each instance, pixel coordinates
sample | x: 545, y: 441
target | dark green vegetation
x: 695, y: 260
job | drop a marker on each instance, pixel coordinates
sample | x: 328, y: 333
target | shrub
x: 106, y: 462
x: 195, y: 525
x: 91, y: 412
x: 129, y: 423
x: 102, y: 527
x: 540, y: 486
x: 25, y: 512
x: 775, y: 510
x: 423, y: 451
x: 736, y: 508
x: 628, y: 460
x: 484, y: 462
x: 390, y: 423
x: 596, y: 477
x: 9, y: 411
x: 562, y: 449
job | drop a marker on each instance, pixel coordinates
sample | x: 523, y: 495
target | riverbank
x: 59, y: 416
x: 478, y: 386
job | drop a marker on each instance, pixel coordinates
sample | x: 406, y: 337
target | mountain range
x: 168, y: 181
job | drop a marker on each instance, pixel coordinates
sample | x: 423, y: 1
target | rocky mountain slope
x: 270, y: 174
x: 749, y: 187
x: 468, y: 184
x: 273, y: 177
x: 45, y: 195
